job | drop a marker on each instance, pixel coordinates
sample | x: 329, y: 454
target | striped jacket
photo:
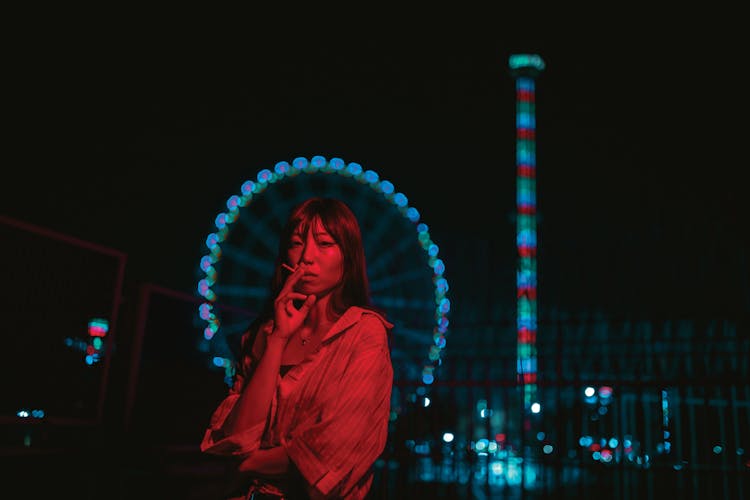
x: 330, y: 412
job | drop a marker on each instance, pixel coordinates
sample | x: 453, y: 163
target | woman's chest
x: 313, y: 380
x: 299, y: 348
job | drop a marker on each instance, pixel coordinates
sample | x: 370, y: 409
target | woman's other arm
x: 254, y: 402
x: 266, y: 461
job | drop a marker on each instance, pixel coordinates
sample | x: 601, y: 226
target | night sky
x: 131, y: 132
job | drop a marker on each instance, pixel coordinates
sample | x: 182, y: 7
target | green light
x: 526, y: 108
x: 525, y: 307
x: 527, y: 264
x: 99, y: 323
x: 525, y: 351
x: 519, y: 61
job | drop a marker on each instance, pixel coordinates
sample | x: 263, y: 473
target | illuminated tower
x: 525, y: 68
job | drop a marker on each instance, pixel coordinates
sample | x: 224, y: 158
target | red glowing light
x: 525, y: 209
x: 526, y: 336
x: 526, y: 95
x: 526, y: 133
x: 526, y: 171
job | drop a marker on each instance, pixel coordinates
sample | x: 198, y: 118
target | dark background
x: 131, y: 129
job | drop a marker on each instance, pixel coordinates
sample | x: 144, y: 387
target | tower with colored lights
x: 525, y: 68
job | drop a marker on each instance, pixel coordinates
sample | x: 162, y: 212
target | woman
x: 307, y: 415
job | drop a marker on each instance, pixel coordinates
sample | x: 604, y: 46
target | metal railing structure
x: 630, y: 409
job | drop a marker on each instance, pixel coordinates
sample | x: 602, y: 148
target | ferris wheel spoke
x: 242, y: 291
x: 390, y: 281
x: 379, y: 228
x: 399, y: 302
x: 416, y: 336
x: 403, y: 278
x: 333, y: 186
x: 262, y: 266
x: 277, y: 203
x: 395, y: 253
x: 258, y: 230
x: 359, y: 207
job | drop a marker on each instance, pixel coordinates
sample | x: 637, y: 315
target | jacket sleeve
x: 334, y: 452
x: 242, y: 443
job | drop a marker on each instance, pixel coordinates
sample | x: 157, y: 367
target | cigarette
x: 291, y: 269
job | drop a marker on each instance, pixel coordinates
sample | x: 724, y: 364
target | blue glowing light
x: 299, y: 165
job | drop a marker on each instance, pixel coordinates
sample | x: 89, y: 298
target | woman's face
x: 320, y: 257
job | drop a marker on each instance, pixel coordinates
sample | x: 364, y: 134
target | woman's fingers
x: 307, y: 304
x: 288, y: 316
x: 288, y: 302
x: 289, y: 308
x: 290, y: 296
x: 291, y: 280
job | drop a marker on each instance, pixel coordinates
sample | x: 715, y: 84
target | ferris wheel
x: 405, y: 273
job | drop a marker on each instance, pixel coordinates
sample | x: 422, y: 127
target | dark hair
x: 342, y: 225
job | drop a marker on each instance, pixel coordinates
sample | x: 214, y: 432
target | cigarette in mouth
x: 289, y: 268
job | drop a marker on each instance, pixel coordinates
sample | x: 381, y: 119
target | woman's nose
x: 309, y: 252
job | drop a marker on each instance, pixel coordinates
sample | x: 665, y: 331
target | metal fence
x: 629, y: 409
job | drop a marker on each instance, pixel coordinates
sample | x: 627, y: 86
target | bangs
x: 301, y: 223
x: 332, y: 221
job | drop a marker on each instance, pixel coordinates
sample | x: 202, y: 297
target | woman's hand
x: 287, y: 318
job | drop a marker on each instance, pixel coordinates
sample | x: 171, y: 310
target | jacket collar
x: 349, y: 318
